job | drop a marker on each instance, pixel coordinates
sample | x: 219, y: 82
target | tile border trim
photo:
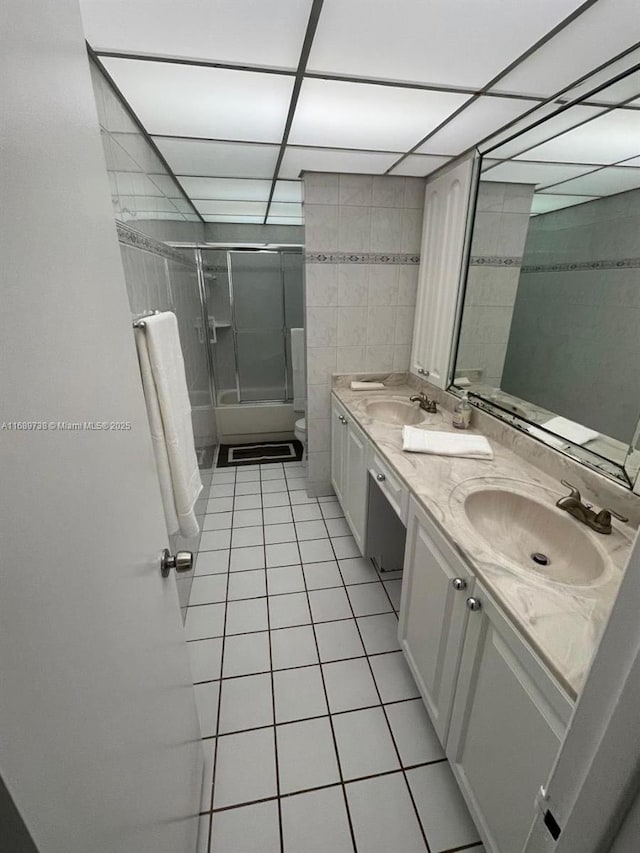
x: 137, y: 240
x: 581, y: 266
x: 361, y: 258
x: 494, y: 261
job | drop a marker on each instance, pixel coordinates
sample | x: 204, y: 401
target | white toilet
x: 299, y: 387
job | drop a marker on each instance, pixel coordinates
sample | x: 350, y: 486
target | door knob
x: 182, y: 561
x: 459, y: 583
x: 473, y: 604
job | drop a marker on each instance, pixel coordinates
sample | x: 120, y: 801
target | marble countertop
x: 562, y: 622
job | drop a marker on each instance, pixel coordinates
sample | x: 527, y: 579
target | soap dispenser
x: 462, y: 412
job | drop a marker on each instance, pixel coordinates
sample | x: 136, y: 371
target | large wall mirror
x: 550, y: 329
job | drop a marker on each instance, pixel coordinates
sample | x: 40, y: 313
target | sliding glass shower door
x: 259, y: 324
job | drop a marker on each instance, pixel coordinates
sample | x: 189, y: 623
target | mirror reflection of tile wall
x: 574, y: 345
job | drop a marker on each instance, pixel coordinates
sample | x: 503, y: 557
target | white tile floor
x: 315, y: 738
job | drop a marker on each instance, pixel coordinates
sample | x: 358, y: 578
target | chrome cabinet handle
x: 422, y: 371
x: 459, y: 583
x: 380, y: 477
x: 181, y: 561
x: 342, y: 419
x: 474, y: 604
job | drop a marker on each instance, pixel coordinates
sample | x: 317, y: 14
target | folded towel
x: 367, y: 386
x: 445, y: 443
x: 573, y: 432
x: 169, y: 411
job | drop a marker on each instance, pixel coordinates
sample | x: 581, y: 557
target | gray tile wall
x: 574, y: 346
x: 359, y: 316
x: 499, y: 234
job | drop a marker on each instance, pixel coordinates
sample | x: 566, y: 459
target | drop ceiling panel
x: 208, y: 207
x: 288, y: 191
x: 226, y: 188
x: 232, y: 218
x: 284, y: 208
x: 297, y: 160
x: 481, y: 118
x: 185, y: 100
x: 540, y: 174
x: 218, y: 159
x: 594, y: 37
x: 357, y: 115
x: 547, y: 203
x: 269, y: 33
x: 608, y: 138
x: 465, y: 43
x: 550, y: 127
x: 419, y: 165
x: 603, y: 182
x: 623, y: 90
x: 284, y: 220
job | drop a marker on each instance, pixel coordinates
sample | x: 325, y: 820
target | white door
x: 99, y: 740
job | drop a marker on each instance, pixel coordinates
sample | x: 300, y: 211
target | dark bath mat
x: 255, y: 454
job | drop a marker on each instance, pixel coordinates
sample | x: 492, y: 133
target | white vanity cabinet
x: 509, y: 718
x: 433, y: 614
x: 349, y: 458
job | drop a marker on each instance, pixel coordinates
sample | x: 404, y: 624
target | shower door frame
x: 279, y: 249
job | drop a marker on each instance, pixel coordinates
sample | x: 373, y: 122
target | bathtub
x: 243, y: 423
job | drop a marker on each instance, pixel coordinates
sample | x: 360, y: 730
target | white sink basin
x: 398, y: 412
x: 530, y: 533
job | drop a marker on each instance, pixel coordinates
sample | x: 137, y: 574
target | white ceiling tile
x: 547, y: 203
x: 419, y: 165
x: 211, y: 207
x: 358, y: 115
x: 465, y: 43
x: 608, y: 138
x: 218, y: 159
x: 603, y: 182
x: 166, y: 185
x: 226, y: 188
x: 269, y: 33
x: 187, y: 100
x: 284, y: 208
x: 481, y: 118
x: 219, y: 217
x: 284, y: 220
x: 623, y: 90
x: 525, y: 172
x: 603, y: 31
x: 548, y: 128
x: 288, y: 191
x: 297, y: 160
x: 150, y: 203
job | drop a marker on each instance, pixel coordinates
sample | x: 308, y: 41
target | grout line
x: 393, y: 740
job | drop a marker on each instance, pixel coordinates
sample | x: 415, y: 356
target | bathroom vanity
x: 499, y: 643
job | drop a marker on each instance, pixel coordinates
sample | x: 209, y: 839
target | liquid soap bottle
x: 462, y: 412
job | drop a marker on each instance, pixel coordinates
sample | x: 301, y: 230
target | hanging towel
x: 169, y: 411
x: 367, y: 386
x: 445, y: 443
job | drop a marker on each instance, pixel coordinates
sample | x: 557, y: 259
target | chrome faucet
x: 598, y: 521
x: 425, y: 403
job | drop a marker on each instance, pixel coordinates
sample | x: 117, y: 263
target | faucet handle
x: 574, y: 492
x: 613, y: 513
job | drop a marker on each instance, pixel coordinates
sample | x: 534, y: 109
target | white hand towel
x: 445, y: 443
x: 169, y: 410
x: 576, y: 433
x: 367, y: 386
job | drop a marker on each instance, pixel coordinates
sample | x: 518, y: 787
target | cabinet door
x: 355, y: 486
x: 443, y: 248
x: 508, y: 721
x: 432, y: 616
x: 338, y: 441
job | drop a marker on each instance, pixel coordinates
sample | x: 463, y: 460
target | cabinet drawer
x: 391, y: 486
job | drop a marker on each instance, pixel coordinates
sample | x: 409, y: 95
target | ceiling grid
x: 240, y: 97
